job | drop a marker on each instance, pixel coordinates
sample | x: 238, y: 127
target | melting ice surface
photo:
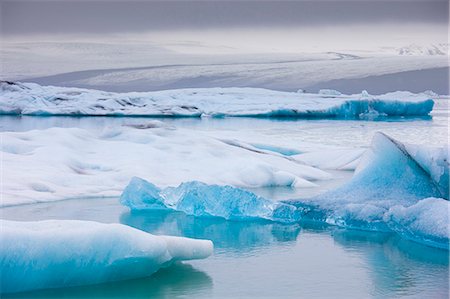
x: 200, y: 199
x: 61, y: 253
x: 33, y: 99
x: 390, y: 191
x: 62, y: 163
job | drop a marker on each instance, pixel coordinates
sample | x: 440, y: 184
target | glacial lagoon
x: 261, y: 258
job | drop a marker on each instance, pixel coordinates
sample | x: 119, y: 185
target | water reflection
x: 174, y: 281
x: 398, y: 266
x: 25, y: 123
x: 260, y: 258
x: 228, y: 236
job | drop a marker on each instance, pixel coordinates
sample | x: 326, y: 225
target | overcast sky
x: 29, y: 17
x: 235, y: 23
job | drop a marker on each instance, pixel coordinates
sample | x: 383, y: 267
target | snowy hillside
x: 421, y: 50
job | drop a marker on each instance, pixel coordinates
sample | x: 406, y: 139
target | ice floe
x: 33, y: 99
x: 394, y: 189
x: 62, y: 163
x: 425, y: 222
x: 61, y: 253
x: 202, y: 200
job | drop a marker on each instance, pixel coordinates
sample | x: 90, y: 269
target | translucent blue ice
x: 390, y: 191
x: 203, y: 200
x: 357, y: 109
x: 61, y: 253
x: 277, y: 149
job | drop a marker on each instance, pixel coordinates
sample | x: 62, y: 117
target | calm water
x: 261, y: 259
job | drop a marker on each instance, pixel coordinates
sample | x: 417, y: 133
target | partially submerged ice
x: 61, y: 253
x: 203, y: 200
x: 425, y: 222
x: 395, y: 188
x: 33, y: 99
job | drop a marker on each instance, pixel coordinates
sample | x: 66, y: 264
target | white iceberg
x: 330, y: 92
x: 202, y: 200
x: 61, y: 163
x: 425, y: 222
x: 33, y: 99
x: 61, y: 253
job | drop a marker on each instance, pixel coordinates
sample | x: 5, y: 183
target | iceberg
x: 203, y: 200
x: 396, y: 187
x: 434, y: 161
x: 62, y: 163
x: 33, y: 99
x: 425, y: 222
x: 388, y: 171
x: 61, y: 253
x: 330, y: 92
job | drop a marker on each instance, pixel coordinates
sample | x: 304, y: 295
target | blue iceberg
x: 396, y: 188
x: 203, y: 200
x: 61, y: 253
x: 388, y: 192
x: 387, y: 172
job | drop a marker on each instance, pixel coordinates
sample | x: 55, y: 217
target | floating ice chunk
x: 426, y: 222
x: 387, y: 175
x: 55, y: 163
x: 61, y: 253
x: 389, y: 171
x: 365, y: 94
x: 33, y: 99
x: 140, y: 194
x: 434, y: 160
x: 330, y: 92
x: 202, y: 200
x: 431, y: 93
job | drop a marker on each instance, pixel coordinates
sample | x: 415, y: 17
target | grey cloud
x: 32, y: 17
